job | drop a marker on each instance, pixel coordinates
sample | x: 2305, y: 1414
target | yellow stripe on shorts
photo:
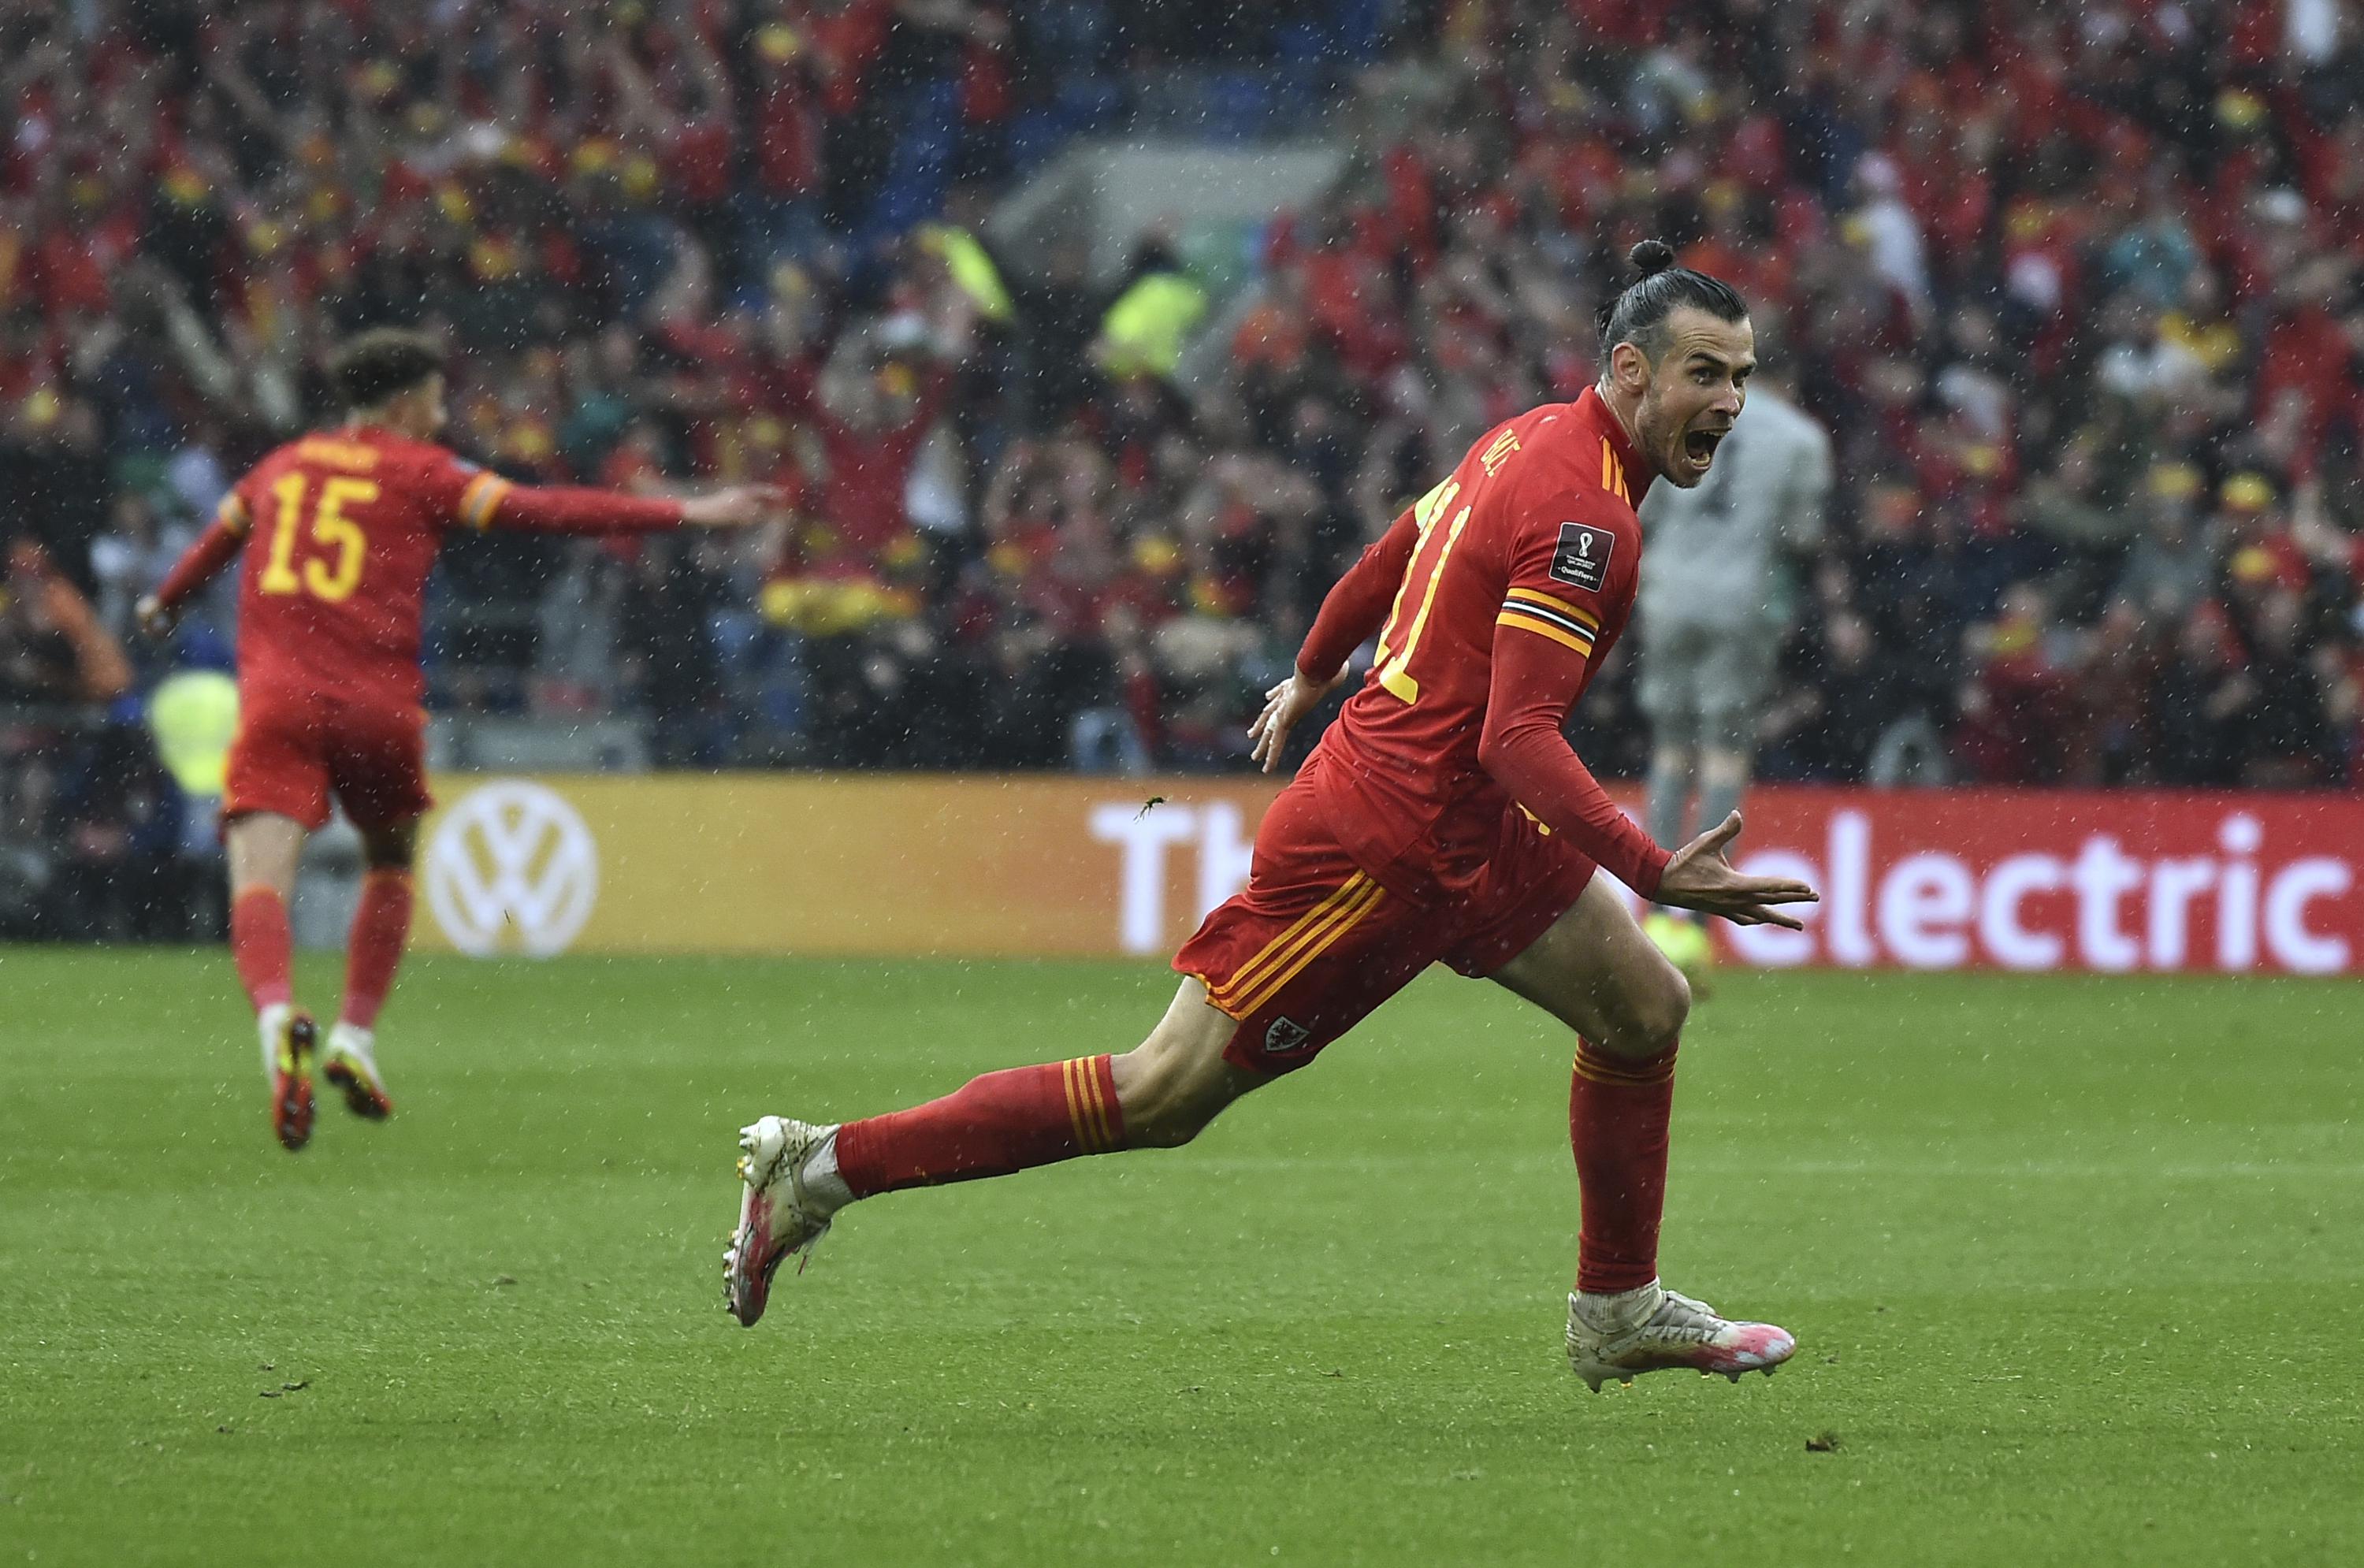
x: 1314, y: 944
x: 1274, y: 950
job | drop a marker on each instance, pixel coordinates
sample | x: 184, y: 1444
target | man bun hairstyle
x: 1650, y: 258
x: 384, y: 363
x: 1637, y: 312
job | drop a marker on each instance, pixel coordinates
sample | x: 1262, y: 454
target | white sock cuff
x: 1620, y: 1309
x: 821, y: 1181
x: 268, y: 1023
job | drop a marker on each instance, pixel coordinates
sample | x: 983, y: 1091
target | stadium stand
x: 2090, y: 337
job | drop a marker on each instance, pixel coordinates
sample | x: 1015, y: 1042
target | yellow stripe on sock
x: 1075, y: 1104
x: 1609, y: 1070
x: 1094, y: 1102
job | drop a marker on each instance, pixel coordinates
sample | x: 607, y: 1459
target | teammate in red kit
x: 347, y: 523
x: 1444, y: 819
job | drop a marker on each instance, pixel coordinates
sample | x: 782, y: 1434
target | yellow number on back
x: 279, y: 571
x: 330, y: 527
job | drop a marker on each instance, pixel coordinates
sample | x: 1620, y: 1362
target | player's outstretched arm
x: 735, y: 507
x: 1701, y: 877
x: 491, y: 501
x: 213, y: 550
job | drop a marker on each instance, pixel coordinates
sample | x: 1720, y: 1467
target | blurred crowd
x: 2076, y: 289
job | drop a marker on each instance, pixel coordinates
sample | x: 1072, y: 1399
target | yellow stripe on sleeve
x: 232, y: 514
x: 1534, y: 597
x: 1543, y: 628
x: 481, y: 498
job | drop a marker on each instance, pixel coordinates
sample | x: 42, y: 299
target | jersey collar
x: 1595, y: 411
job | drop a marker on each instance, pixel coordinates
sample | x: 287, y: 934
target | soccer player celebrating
x: 1444, y: 819
x: 349, y: 521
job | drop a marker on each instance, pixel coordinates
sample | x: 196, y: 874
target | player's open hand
x: 1699, y: 877
x: 1283, y: 707
x: 154, y: 619
x: 735, y: 507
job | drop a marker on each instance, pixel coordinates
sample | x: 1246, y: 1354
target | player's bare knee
x: 1169, y: 1126
x: 1175, y: 1082
x: 1647, y: 1014
x: 1167, y: 1094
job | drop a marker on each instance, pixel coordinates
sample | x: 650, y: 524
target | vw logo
x: 512, y: 867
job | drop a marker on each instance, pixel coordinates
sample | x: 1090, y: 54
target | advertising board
x: 2099, y: 881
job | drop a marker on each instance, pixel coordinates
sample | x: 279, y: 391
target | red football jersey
x: 1510, y: 581
x: 342, y: 530
x: 343, y: 527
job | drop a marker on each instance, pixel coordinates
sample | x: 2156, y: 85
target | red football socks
x: 1618, y: 1110
x: 373, y: 950
x: 260, y: 944
x: 990, y: 1127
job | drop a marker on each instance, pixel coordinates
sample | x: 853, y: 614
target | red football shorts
x: 292, y: 750
x: 1313, y: 945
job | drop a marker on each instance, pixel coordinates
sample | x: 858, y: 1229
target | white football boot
x: 1653, y: 1329
x: 350, y: 1065
x: 779, y: 1211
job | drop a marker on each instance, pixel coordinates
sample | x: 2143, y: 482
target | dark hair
x: 1637, y: 314
x: 382, y: 362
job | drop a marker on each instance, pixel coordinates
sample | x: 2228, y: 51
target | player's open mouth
x: 1699, y: 446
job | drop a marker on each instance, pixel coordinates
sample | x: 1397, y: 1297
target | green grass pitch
x: 2074, y: 1264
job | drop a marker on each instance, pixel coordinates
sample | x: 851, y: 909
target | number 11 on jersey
x: 1399, y: 681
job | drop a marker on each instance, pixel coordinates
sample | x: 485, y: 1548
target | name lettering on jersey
x: 1612, y: 473
x: 1496, y: 455
x: 1582, y: 557
x: 336, y: 453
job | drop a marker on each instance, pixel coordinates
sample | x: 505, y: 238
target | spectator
x: 2081, y: 298
x: 52, y: 648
